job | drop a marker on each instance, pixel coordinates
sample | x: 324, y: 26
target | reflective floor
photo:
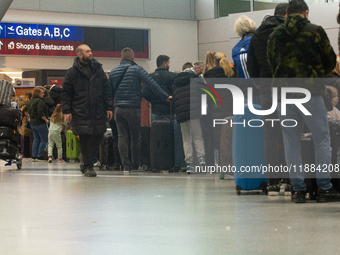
x: 52, y: 209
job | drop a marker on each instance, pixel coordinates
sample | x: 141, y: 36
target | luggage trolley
x: 10, y: 153
x: 9, y: 121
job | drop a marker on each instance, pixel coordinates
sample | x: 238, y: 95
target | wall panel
x: 25, y: 4
x: 119, y: 7
x: 174, y: 9
x: 83, y: 6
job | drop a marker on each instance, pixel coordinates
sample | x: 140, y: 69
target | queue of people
x: 285, y: 45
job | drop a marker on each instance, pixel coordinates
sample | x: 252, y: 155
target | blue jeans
x: 40, y: 140
x: 317, y: 124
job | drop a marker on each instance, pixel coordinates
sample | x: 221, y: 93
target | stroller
x: 9, y: 122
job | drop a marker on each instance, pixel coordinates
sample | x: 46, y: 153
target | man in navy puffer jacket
x: 126, y: 91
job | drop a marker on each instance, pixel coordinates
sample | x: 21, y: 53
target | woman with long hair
x: 209, y: 61
x: 221, y: 67
x: 38, y: 115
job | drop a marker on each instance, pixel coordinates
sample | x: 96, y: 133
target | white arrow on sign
x: 1, y: 44
x: 1, y: 29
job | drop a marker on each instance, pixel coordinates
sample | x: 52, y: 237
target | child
x: 54, y: 137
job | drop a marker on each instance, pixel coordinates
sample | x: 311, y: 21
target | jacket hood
x: 267, y: 26
x: 183, y: 78
x: 54, y: 88
x: 292, y: 26
x: 95, y: 65
x: 215, y: 72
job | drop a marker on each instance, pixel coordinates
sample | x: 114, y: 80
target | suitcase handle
x: 72, y: 144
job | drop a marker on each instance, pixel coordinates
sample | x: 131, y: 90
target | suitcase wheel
x: 19, y: 162
x: 263, y: 187
x: 238, y: 189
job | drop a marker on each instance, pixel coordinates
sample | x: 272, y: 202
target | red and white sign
x: 57, y: 82
x: 41, y: 47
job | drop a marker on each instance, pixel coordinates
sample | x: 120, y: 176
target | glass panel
x: 227, y: 7
x: 267, y: 4
x: 309, y: 2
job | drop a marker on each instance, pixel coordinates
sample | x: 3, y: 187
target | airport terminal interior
x: 52, y: 209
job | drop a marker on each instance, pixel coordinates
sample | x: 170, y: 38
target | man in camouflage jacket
x: 299, y: 49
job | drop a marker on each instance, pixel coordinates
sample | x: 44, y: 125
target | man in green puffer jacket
x: 299, y: 49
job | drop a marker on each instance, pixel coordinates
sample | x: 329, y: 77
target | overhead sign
x: 24, y: 83
x: 55, y: 40
x: 44, y: 40
x: 41, y: 32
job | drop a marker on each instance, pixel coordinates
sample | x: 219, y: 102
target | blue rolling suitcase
x: 248, y: 152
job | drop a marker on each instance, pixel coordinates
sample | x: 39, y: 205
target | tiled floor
x: 52, y: 209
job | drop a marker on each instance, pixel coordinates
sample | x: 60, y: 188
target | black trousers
x: 114, y: 129
x: 89, y: 145
x: 128, y: 121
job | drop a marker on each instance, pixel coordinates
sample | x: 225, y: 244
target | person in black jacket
x: 160, y: 110
x: 87, y: 104
x: 125, y: 84
x: 49, y: 102
x: 55, y: 93
x: 187, y: 105
x: 258, y: 67
x: 165, y: 79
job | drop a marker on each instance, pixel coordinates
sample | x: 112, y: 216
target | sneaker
x: 126, y: 170
x: 40, y: 159
x: 90, y: 172
x: 97, y: 163
x: 82, y: 168
x: 273, y: 190
x: 141, y: 168
x: 116, y: 166
x: 288, y: 190
x: 190, y: 168
x: 330, y: 195
x: 299, y: 197
x: 33, y: 159
x: 201, y: 161
x: 60, y: 160
x: 49, y: 160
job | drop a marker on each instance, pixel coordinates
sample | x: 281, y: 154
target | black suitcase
x: 106, y: 157
x: 10, y: 117
x: 162, y: 145
x: 308, y: 157
x: 145, y: 146
x: 8, y: 149
x: 9, y: 133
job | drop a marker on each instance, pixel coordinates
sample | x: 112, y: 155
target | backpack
x: 239, y: 54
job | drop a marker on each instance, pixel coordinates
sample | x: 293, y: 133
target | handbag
x: 27, y: 125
